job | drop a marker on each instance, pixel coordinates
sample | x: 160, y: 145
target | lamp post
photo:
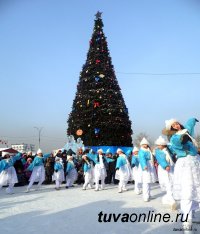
x: 39, y: 134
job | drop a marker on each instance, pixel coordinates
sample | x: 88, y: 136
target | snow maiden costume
x: 165, y: 171
x: 8, y: 174
x: 99, y: 169
x: 71, y: 172
x: 58, y: 175
x: 88, y: 172
x: 146, y: 169
x: 186, y: 187
x: 135, y: 171
x: 122, y: 171
x: 37, y: 168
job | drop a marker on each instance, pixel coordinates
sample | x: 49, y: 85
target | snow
x: 75, y: 211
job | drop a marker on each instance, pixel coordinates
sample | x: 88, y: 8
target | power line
x: 160, y: 74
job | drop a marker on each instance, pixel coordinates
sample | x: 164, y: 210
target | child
x: 7, y: 171
x: 38, y: 171
x: 58, y: 175
x: 71, y: 172
x: 146, y: 168
x: 186, y: 186
x: 26, y: 165
x: 49, y: 170
x: 88, y: 175
x: 165, y: 171
x: 135, y: 171
x: 122, y: 171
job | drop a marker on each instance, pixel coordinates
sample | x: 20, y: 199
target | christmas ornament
x: 101, y: 75
x: 98, y: 61
x: 96, y: 104
x: 79, y: 132
x: 88, y: 102
x: 97, y: 78
x: 96, y: 130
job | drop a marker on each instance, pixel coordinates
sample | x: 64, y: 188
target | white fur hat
x: 119, y: 150
x: 168, y: 123
x: 100, y: 151
x: 4, y: 154
x: 135, y: 149
x: 144, y: 141
x: 161, y: 141
x: 69, y: 157
x: 39, y: 151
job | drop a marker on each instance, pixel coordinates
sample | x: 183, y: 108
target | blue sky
x: 44, y: 45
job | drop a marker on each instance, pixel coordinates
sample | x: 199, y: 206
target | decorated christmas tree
x: 99, y: 114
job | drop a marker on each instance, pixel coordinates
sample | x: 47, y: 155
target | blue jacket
x: 4, y: 164
x: 180, y: 149
x: 58, y: 166
x: 135, y: 161
x: 143, y: 156
x: 86, y: 167
x: 161, y: 158
x: 38, y: 161
x: 121, y: 161
x: 70, y: 166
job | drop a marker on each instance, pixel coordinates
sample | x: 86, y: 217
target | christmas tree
x: 99, y: 114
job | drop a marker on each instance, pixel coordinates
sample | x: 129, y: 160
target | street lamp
x: 39, y: 132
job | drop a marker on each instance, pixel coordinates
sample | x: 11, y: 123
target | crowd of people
x: 175, y: 164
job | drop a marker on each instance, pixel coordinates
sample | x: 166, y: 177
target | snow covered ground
x: 74, y: 211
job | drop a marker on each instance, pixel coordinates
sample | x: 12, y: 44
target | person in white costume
x: 146, y: 168
x: 58, y: 175
x: 122, y: 171
x: 71, y: 172
x: 8, y: 174
x: 165, y: 171
x: 37, y: 168
x: 88, y: 172
x: 186, y: 185
x: 100, y: 170
x: 136, y: 172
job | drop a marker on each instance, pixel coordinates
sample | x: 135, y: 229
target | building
x: 23, y: 147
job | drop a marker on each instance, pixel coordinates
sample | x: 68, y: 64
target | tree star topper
x: 98, y: 14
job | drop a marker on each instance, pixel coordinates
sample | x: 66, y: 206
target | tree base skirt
x: 112, y: 149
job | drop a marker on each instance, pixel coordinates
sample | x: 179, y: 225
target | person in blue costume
x: 8, y: 174
x: 122, y: 171
x: 37, y: 168
x: 58, y: 175
x: 165, y: 171
x: 146, y: 168
x: 71, y: 172
x: 88, y: 171
x: 186, y: 185
x: 135, y: 171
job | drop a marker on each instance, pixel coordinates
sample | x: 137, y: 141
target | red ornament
x: 97, y: 61
x: 96, y: 104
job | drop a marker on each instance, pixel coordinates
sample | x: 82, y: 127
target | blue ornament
x: 96, y: 130
x: 97, y: 78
